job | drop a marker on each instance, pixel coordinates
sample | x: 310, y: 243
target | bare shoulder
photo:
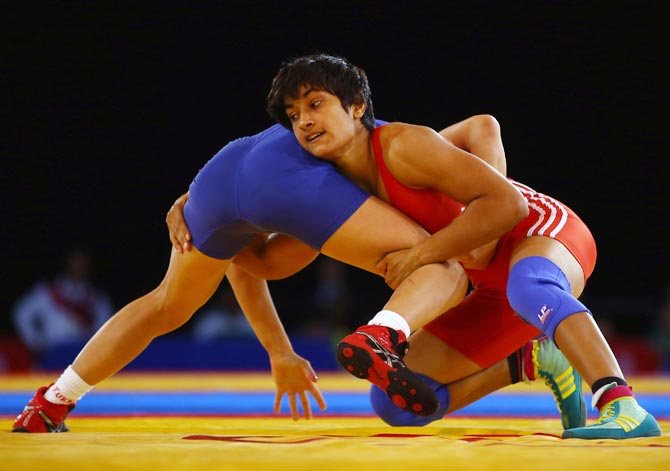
x: 401, y: 140
x: 408, y: 150
x: 402, y: 132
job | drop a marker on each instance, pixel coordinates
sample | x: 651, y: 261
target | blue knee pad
x: 394, y: 415
x: 539, y: 292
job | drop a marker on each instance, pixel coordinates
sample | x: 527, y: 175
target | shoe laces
x: 547, y: 378
x: 555, y: 389
x: 608, y: 412
x: 388, y: 338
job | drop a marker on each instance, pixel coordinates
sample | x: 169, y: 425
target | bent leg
x: 578, y: 336
x: 461, y: 381
x: 374, y: 352
x: 456, y: 380
x: 190, y: 280
x: 582, y: 342
x: 467, y: 381
x: 377, y: 229
x: 433, y: 357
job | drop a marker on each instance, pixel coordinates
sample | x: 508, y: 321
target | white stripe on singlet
x: 551, y: 214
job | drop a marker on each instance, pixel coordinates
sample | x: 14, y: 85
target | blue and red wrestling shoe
x: 42, y: 416
x: 375, y: 353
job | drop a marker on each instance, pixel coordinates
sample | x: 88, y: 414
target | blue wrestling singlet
x: 267, y: 183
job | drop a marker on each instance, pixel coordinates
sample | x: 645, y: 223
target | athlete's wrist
x: 424, y: 254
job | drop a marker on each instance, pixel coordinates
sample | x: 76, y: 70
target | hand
x: 180, y: 236
x: 398, y: 265
x: 294, y: 376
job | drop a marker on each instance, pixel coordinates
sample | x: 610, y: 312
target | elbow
x: 518, y: 207
x: 512, y: 208
x: 486, y: 125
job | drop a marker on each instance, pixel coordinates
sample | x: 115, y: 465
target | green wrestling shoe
x: 565, y: 383
x: 620, y: 418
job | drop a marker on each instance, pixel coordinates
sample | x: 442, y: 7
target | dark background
x: 110, y: 109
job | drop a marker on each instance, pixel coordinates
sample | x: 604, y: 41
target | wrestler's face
x: 321, y: 124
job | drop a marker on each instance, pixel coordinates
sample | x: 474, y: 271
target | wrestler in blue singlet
x: 267, y: 183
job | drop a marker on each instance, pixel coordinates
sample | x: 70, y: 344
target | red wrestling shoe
x: 375, y: 352
x: 42, y: 416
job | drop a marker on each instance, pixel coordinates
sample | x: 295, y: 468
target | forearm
x: 254, y: 298
x: 482, y: 221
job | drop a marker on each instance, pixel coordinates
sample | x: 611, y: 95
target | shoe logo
x: 387, y: 357
x: 544, y: 313
x: 60, y: 397
x: 28, y: 417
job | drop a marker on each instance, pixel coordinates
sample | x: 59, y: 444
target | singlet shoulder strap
x: 379, y: 157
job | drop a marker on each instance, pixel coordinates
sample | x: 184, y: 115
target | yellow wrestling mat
x: 322, y: 444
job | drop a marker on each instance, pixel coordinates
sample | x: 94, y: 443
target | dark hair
x: 332, y: 74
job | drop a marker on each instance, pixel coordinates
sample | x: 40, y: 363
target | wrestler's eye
x: 315, y: 103
x: 292, y: 116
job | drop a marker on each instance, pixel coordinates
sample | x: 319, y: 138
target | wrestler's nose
x: 306, y: 121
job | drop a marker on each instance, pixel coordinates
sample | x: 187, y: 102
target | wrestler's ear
x: 358, y: 109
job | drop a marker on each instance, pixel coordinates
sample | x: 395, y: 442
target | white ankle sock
x: 391, y: 319
x: 68, y: 389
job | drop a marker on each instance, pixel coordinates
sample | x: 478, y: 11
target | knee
x: 539, y: 292
x: 453, y: 276
x: 460, y: 280
x: 166, y: 312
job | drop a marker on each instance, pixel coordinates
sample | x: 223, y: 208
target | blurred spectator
x: 221, y: 317
x: 14, y: 355
x: 65, y: 309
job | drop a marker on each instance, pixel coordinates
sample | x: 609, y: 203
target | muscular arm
x: 421, y: 158
x: 254, y: 298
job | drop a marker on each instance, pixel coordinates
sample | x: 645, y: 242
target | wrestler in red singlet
x: 484, y: 327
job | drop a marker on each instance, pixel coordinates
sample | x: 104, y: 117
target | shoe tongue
x: 398, y: 344
x: 402, y: 349
x: 393, y: 336
x: 596, y: 395
x: 608, y: 393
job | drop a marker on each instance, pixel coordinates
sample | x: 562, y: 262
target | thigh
x: 370, y: 233
x: 570, y: 244
x: 476, y: 334
x: 433, y: 357
x: 556, y: 252
x: 191, y: 279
